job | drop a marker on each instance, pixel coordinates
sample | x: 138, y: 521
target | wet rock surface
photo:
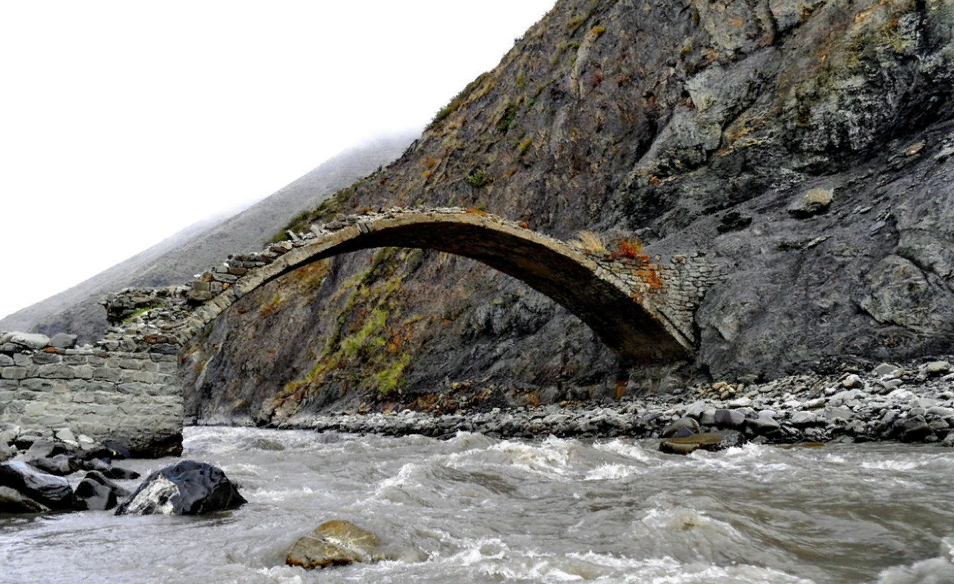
x: 48, y: 490
x: 96, y: 492
x: 185, y: 488
x: 334, y: 543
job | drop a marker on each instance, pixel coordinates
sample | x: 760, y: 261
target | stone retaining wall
x: 106, y: 395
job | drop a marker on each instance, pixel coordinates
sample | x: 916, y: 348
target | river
x: 477, y: 509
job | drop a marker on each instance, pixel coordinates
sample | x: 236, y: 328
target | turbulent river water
x: 477, y: 509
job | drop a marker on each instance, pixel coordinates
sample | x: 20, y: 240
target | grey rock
x: 696, y: 409
x: 731, y: 419
x: 66, y: 436
x: 810, y: 203
x: 51, y: 491
x: 59, y: 465
x: 6, y: 360
x: 852, y: 381
x: 682, y: 427
x: 765, y: 423
x: 915, y: 429
x: 63, y: 341
x: 96, y: 492
x: 802, y: 419
x: 937, y: 367
x: 32, y: 341
x: 13, y: 501
x: 7, y: 451
x: 886, y: 369
x: 948, y: 440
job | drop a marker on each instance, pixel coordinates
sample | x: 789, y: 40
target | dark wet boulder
x: 185, y: 488
x: 109, y: 471
x: 731, y: 419
x: 109, y: 450
x: 13, y: 501
x: 334, y: 543
x: 97, y: 493
x: 46, y: 489
x: 59, y: 465
x: 43, y: 448
x: 681, y: 428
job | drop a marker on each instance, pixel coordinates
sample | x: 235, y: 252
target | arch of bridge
x: 629, y: 323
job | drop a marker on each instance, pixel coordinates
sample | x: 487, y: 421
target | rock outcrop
x: 806, y: 147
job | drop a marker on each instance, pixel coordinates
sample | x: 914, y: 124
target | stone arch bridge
x: 126, y: 386
x: 641, y: 310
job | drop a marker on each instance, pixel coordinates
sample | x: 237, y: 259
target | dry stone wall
x: 130, y: 397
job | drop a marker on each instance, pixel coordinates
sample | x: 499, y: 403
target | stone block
x: 23, y: 360
x: 150, y: 366
x: 57, y: 372
x: 44, y: 385
x: 74, y: 359
x: 135, y: 364
x: 145, y: 377
x: 107, y: 374
x: 6, y: 361
x: 29, y: 340
x: 63, y: 341
x: 13, y: 373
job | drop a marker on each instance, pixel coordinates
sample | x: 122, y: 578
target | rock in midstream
x: 185, y: 488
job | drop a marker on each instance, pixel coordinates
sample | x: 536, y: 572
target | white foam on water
x: 611, y: 472
x: 551, y: 457
x: 241, y: 470
x: 281, y: 575
x: 628, y: 449
x: 278, y: 495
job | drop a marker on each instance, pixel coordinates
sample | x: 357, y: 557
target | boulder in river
x: 185, y: 488
x: 13, y: 501
x: 96, y: 492
x: 334, y: 543
x: 710, y: 442
x: 52, y: 491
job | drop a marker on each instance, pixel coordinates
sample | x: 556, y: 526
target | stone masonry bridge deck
x: 641, y: 310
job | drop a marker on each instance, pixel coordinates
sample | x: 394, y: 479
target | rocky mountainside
x: 205, y: 244
x: 805, y: 145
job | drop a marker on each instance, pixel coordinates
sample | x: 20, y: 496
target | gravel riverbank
x: 908, y: 403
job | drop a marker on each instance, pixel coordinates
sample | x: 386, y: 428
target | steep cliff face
x: 805, y: 146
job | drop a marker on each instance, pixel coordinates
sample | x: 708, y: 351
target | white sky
x: 123, y: 122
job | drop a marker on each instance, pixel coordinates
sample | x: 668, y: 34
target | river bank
x: 913, y: 402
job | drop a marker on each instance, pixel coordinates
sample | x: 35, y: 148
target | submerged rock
x: 185, y: 488
x: 334, y: 543
x: 710, y: 442
x: 51, y: 491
